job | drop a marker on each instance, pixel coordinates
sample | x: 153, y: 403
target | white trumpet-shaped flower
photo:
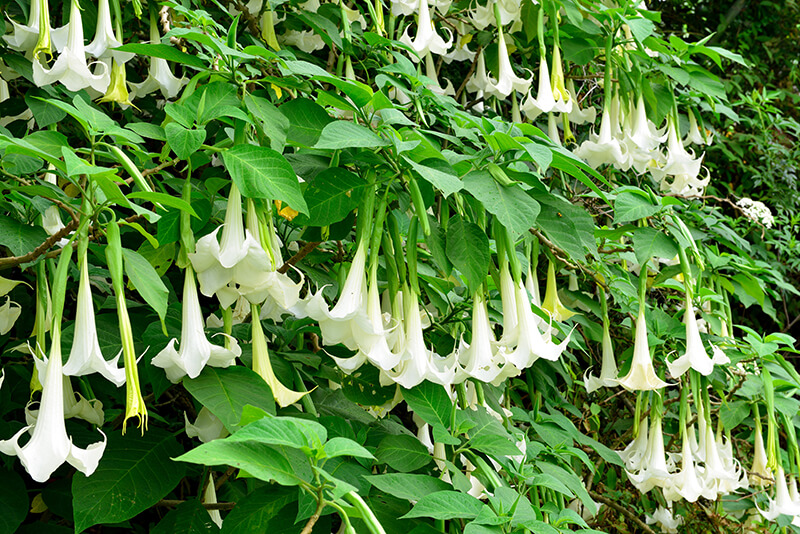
x: 483, y: 15
x: 507, y: 81
x: 426, y: 40
x: 85, y: 357
x: 696, y: 134
x: 481, y: 358
x: 719, y: 477
x: 544, y: 102
x: 160, y: 76
x: 665, y: 520
x: 25, y: 37
x: 603, y: 148
x: 104, y: 39
x: 195, y: 350
x: 207, y: 427
x: 633, y: 455
x: 681, y: 165
x: 760, y: 473
x: 578, y: 115
x: 654, y: 471
x: 608, y: 368
x: 685, y: 483
x: 695, y: 356
x: 782, y: 504
x: 436, y: 87
x: 552, y: 304
x: 71, y: 68
x: 641, y: 376
x: 50, y: 445
x: 642, y: 139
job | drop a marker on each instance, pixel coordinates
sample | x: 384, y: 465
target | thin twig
x: 302, y: 253
x: 469, y: 74
x: 624, y: 511
x: 13, y: 261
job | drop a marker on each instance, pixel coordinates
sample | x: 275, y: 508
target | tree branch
x: 624, y: 511
x: 13, y: 261
x: 302, y: 253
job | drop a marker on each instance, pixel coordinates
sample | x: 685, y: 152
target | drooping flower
x: 682, y: 166
x: 608, y: 369
x: 159, y: 76
x: 436, y: 87
x: 195, y: 350
x: 685, y: 483
x: 104, y: 42
x: 210, y: 497
x: 578, y: 115
x: 308, y: 40
x: 782, y: 504
x: 71, y: 68
x: 27, y: 38
x: 507, y: 81
x: 695, y: 134
x: 760, y: 473
x: 642, y: 139
x: 695, y: 356
x: 85, y: 356
x: 642, y: 376
x: 426, y: 40
x: 481, y: 358
x: 603, y: 148
x: 117, y: 88
x: 654, y: 471
x: 552, y: 304
x: 50, y: 445
x: 634, y: 453
x: 719, y: 477
x: 207, y: 427
x: 664, y: 518
x: 262, y: 365
x: 483, y: 15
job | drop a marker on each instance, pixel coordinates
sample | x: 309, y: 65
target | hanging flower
x: 308, y: 40
x: 681, y: 165
x: 195, y: 350
x: 633, y: 455
x: 481, y: 358
x: 642, y: 139
x: 70, y: 68
x: 608, y: 369
x: 695, y: 134
x: 426, y: 40
x: 50, y: 445
x: 760, y: 473
x: 603, y: 148
x: 159, y: 76
x: 641, y: 376
x: 663, y: 517
x: 695, y: 356
x: 654, y: 471
x: 104, y: 42
x: 85, y: 356
x: 685, y: 483
x: 782, y: 504
x: 578, y: 115
x: 207, y: 427
x: 507, y: 81
x: 552, y: 304
x: 117, y: 88
x: 436, y: 87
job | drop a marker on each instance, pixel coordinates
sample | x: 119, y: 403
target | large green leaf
x: 403, y: 453
x: 649, y: 242
x: 568, y: 226
x: 468, y: 248
x: 135, y: 473
x: 446, y: 505
x: 145, y: 279
x: 20, y: 238
x: 512, y: 206
x: 284, y: 431
x: 225, y: 391
x: 346, y: 134
x: 632, y: 206
x: 257, y: 459
x: 274, y: 123
x: 13, y: 501
x: 331, y: 195
x: 163, y: 51
x: 184, y: 141
x: 443, y: 180
x: 306, y: 121
x: 261, y: 172
x: 431, y: 402
x: 407, y: 485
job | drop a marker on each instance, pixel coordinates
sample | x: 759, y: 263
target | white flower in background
x: 642, y: 376
x: 483, y: 15
x: 207, y: 427
x: 685, y: 483
x: 71, y: 68
x: 195, y: 350
x: 24, y: 37
x: 404, y: 7
x: 552, y: 129
x: 683, y: 166
x: 426, y: 40
x: 756, y: 211
x: 10, y: 311
x: 696, y: 134
x: 104, y: 39
x: 634, y: 453
x: 603, y: 148
x: 664, y: 519
x: 210, y: 497
x: 653, y: 471
x: 578, y: 115
x: 436, y: 87
x: 608, y: 368
x: 507, y: 81
x: 307, y: 40
x: 552, y: 304
x: 695, y: 356
x: 642, y: 139
x: 479, y: 82
x: 461, y: 51
x: 760, y: 473
x: 50, y: 445
x: 26, y: 115
x: 159, y: 76
x: 719, y: 476
x: 85, y: 356
x: 782, y: 504
x: 544, y: 101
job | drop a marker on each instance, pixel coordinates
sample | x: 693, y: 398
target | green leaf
x: 431, y: 402
x: 446, y: 182
x: 257, y: 459
x: 226, y: 391
x: 345, y: 447
x: 255, y: 510
x: 330, y: 196
x: 145, y: 279
x: 632, y: 206
x: 184, y: 141
x: 446, y: 505
x: 306, y: 121
x: 274, y: 123
x: 165, y: 200
x: 403, y: 453
x: 134, y: 474
x: 45, y: 113
x: 20, y: 238
x: 163, y: 51
x: 731, y: 414
x: 284, y: 431
x: 488, y: 435
x: 568, y: 226
x: 649, y: 242
x: 190, y: 517
x: 346, y: 134
x: 77, y: 166
x: 513, y: 207
x: 260, y: 172
x: 468, y: 248
x: 408, y: 486
x: 13, y: 501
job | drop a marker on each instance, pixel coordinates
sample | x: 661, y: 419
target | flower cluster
x: 756, y: 211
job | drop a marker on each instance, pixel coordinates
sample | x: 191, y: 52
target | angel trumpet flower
x: 578, y: 115
x: 634, y: 453
x: 761, y: 474
x: 207, y: 427
x: 507, y: 81
x: 782, y: 504
x: 683, y: 166
x: 160, y: 76
x: 104, y: 42
x: 544, y: 101
x: 481, y: 357
x: 695, y: 356
x: 695, y: 134
x: 426, y: 40
x: 642, y: 139
x: 654, y: 471
x: 24, y: 36
x: 608, y: 369
x: 642, y: 376
x: 85, y: 357
x: 552, y: 304
x: 50, y: 445
x: 195, y: 350
x: 685, y: 483
x: 262, y: 365
x: 603, y: 148
x: 71, y: 68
